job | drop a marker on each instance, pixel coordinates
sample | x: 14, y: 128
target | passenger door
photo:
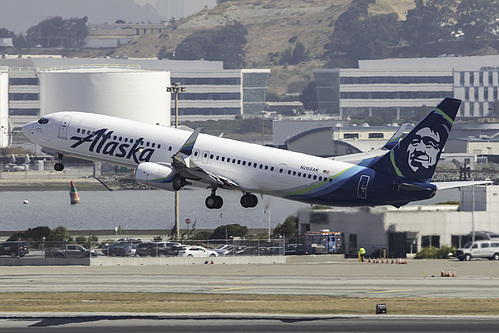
x: 63, y: 128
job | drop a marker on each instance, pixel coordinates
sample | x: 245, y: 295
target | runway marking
x: 227, y: 289
x: 389, y: 291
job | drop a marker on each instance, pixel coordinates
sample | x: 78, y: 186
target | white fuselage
x: 124, y: 142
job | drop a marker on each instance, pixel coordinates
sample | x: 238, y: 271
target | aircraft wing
x: 188, y: 169
x: 457, y: 184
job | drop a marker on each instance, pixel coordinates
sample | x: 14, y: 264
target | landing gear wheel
x: 58, y: 166
x: 214, y: 202
x: 249, y: 200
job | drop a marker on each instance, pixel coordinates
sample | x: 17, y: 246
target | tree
x: 223, y: 44
x: 59, y: 234
x: 424, y: 24
x: 35, y: 234
x: 228, y: 231
x: 309, y: 97
x: 361, y: 37
x: 477, y: 19
x: 4, y: 33
x: 162, y: 53
x: 58, y: 32
x: 288, y: 228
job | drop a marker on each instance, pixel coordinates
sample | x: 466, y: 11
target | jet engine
x: 159, y: 175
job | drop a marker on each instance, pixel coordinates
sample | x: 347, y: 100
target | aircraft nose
x: 28, y: 129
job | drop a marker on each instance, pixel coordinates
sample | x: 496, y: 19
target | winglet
x: 188, y: 146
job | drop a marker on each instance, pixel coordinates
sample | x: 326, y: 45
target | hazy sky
x: 19, y: 15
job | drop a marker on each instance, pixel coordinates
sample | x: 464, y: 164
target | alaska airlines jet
x: 169, y: 158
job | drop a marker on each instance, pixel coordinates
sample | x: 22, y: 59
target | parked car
x: 175, y: 249
x: 70, y: 251
x: 126, y: 250
x: 197, y: 251
x: 163, y: 248
x: 479, y: 249
x: 223, y: 249
x: 144, y: 249
x: 14, y: 249
x: 111, y: 249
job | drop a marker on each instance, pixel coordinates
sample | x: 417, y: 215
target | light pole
x: 176, y: 88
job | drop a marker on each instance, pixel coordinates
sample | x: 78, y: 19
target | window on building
x: 351, y: 136
x: 375, y: 135
x: 430, y: 241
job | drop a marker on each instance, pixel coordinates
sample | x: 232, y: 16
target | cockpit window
x: 43, y: 121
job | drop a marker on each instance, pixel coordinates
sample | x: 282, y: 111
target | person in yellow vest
x: 362, y: 252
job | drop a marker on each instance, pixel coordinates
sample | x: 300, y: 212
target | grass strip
x: 225, y: 303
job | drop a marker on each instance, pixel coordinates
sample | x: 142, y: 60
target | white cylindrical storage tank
x: 126, y: 93
x: 4, y: 107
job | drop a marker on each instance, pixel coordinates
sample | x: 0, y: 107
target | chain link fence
x: 136, y: 248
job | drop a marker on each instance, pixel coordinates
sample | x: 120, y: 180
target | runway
x: 416, y: 279
x: 242, y: 323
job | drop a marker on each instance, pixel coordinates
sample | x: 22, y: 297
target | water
x: 104, y: 210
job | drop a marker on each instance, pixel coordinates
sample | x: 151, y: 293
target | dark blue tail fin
x: 416, y: 155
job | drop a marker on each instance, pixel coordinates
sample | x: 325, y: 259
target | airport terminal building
x: 402, y: 86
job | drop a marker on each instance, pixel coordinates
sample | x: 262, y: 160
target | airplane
x: 169, y: 158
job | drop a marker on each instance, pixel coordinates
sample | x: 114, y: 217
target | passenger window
x: 484, y: 245
x: 475, y: 246
x: 78, y: 130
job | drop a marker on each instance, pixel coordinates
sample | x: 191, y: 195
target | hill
x: 273, y: 27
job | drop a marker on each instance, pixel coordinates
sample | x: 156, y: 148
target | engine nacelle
x: 157, y: 175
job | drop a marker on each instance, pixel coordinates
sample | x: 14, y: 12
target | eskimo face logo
x: 423, y: 149
x: 100, y: 142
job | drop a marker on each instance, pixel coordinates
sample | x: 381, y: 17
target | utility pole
x: 176, y: 88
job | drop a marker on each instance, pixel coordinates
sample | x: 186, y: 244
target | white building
x: 401, y: 86
x: 4, y: 107
x: 407, y: 229
x: 211, y: 91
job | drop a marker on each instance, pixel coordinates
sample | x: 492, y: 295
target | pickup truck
x: 70, y: 251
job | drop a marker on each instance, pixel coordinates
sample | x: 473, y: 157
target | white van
x: 479, y: 249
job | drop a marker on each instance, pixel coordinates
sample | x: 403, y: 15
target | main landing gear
x: 58, y: 166
x: 249, y: 200
x: 216, y: 202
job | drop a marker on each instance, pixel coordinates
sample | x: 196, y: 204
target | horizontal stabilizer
x: 457, y: 184
x: 413, y: 187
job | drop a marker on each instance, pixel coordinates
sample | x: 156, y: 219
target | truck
x: 70, y: 251
x: 324, y: 242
